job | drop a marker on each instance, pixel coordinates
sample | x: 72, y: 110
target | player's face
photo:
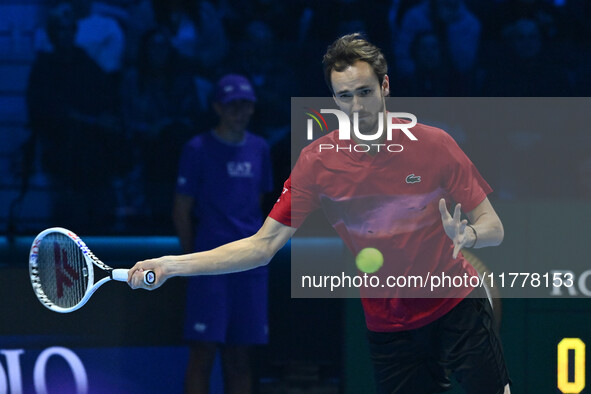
x: 357, y: 89
x: 236, y: 114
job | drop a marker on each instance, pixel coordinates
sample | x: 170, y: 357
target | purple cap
x: 234, y: 87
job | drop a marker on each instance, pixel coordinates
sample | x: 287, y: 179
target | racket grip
x: 149, y: 277
x: 121, y: 276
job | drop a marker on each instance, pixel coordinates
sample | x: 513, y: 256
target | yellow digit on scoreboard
x: 564, y: 385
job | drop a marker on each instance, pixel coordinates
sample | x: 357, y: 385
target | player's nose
x: 357, y: 104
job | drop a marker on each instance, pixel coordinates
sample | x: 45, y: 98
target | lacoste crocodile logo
x: 412, y: 178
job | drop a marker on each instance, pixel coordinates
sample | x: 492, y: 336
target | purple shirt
x: 226, y: 180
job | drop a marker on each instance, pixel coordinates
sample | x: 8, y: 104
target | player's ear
x: 386, y: 86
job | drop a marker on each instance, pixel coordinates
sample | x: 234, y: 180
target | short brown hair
x: 346, y: 50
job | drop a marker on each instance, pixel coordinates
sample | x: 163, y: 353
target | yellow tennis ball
x: 369, y: 260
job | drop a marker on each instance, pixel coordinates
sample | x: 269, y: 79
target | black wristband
x: 475, y: 236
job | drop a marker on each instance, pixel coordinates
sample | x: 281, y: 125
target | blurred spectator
x: 264, y: 60
x: 313, y: 26
x: 160, y: 110
x: 197, y: 29
x: 432, y: 76
x: 156, y: 93
x: 101, y: 36
x: 457, y: 28
x: 558, y: 30
x: 544, y: 13
x: 97, y: 32
x: 525, y: 69
x: 141, y: 18
x: 73, y: 108
x: 280, y: 16
x: 313, y: 23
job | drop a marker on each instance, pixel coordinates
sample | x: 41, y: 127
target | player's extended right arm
x: 241, y: 255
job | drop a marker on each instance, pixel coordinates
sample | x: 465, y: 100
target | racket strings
x: 62, y: 270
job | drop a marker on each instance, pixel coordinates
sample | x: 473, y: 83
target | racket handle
x: 149, y: 277
x: 121, y: 276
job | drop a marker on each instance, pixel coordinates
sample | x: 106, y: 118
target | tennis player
x: 415, y: 343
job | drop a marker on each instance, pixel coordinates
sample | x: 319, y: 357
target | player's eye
x: 345, y: 96
x: 365, y: 92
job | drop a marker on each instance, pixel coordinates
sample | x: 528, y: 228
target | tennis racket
x: 61, y: 268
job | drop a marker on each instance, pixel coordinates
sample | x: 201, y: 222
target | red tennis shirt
x: 390, y: 201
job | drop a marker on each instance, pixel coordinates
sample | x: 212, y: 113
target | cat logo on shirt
x: 239, y: 169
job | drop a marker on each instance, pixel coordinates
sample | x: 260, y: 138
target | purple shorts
x: 229, y: 308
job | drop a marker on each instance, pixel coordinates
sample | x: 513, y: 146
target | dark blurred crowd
x: 118, y: 86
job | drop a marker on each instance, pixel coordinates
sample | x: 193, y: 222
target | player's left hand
x: 454, y: 227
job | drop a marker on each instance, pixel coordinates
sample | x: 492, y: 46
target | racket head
x: 61, y: 272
